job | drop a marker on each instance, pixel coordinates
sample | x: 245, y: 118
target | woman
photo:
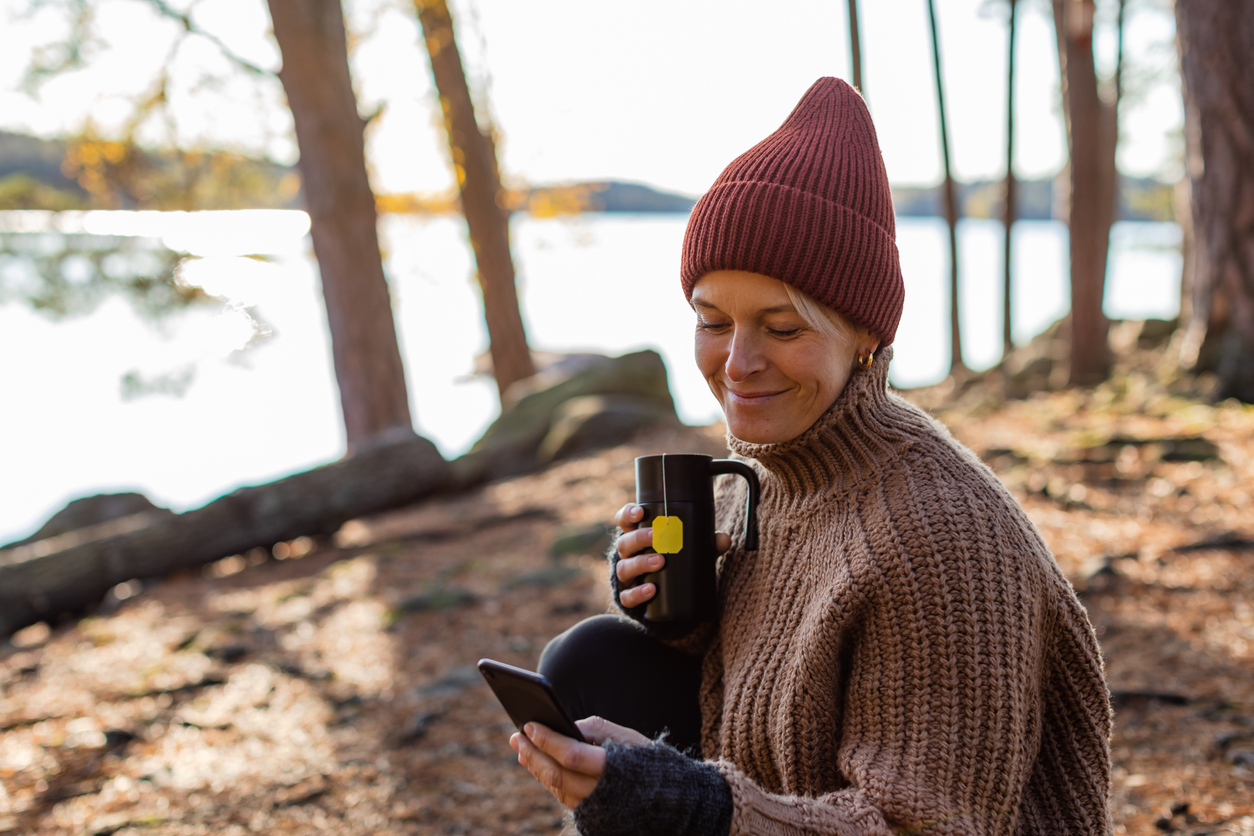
x: 902, y: 653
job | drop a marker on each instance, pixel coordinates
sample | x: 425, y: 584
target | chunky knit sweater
x: 901, y: 655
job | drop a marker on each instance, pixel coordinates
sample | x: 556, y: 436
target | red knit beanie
x: 810, y: 206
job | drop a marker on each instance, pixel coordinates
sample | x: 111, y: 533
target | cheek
x: 818, y: 368
x: 836, y: 373
x: 709, y: 353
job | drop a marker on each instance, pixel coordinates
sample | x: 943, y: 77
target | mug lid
x: 674, y: 477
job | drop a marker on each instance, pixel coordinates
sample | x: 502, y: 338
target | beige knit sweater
x: 902, y: 654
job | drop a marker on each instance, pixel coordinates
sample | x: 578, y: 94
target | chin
x: 758, y: 432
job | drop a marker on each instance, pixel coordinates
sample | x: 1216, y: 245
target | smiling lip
x: 750, y: 398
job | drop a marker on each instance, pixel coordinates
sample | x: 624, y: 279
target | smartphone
x: 528, y: 697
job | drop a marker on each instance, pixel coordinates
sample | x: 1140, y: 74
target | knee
x: 583, y: 646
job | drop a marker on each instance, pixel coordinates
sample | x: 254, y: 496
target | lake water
x: 604, y: 283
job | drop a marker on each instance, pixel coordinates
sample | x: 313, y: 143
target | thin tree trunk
x: 1092, y: 131
x: 1216, y: 40
x: 855, y: 47
x: 1009, y: 208
x: 951, y: 202
x: 474, y: 160
x: 341, y: 208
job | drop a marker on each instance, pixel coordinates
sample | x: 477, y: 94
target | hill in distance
x: 38, y: 173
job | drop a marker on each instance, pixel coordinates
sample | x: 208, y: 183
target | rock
x: 92, y: 510
x: 1099, y: 575
x: 416, y: 728
x: 1194, y: 449
x: 594, y: 421
x: 551, y: 369
x: 452, y: 683
x: 1155, y: 332
x: 591, y: 540
x: 546, y: 578
x: 441, y: 599
x: 1039, y: 365
x: 1240, y: 757
x: 228, y: 653
x: 510, y: 446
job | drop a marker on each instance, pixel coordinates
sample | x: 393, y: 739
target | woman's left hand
x: 567, y: 768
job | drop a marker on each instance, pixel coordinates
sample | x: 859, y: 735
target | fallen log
x: 69, y: 572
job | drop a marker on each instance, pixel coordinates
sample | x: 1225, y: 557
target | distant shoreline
x: 34, y: 175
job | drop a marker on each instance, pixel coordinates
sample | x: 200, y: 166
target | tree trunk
x: 1092, y: 131
x: 73, y: 570
x: 315, y: 76
x: 951, y: 203
x: 474, y: 160
x: 1007, y: 337
x: 855, y: 47
x: 1216, y: 40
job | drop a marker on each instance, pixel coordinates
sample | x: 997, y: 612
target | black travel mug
x: 677, y: 495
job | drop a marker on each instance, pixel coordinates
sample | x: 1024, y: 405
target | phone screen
x: 528, y: 697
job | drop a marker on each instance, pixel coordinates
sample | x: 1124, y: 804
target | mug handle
x: 721, y: 466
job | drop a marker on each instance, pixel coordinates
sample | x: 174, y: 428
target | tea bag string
x: 666, y: 511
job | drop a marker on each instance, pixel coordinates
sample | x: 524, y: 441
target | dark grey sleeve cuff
x: 657, y: 790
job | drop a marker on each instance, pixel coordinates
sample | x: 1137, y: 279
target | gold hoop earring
x: 865, y: 360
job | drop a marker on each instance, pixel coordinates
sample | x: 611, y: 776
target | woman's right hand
x: 631, y: 564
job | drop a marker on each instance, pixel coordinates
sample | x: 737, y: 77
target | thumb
x: 598, y: 730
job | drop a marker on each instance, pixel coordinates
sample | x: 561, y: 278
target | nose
x: 744, y: 356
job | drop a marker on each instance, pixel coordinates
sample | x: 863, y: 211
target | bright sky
x: 657, y: 91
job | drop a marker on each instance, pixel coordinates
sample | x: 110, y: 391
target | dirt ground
x: 331, y: 686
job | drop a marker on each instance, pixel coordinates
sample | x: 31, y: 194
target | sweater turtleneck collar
x: 860, y: 433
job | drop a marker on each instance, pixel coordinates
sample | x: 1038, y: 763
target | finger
x: 629, y: 516
x: 572, y: 755
x: 637, y: 595
x: 722, y: 541
x: 633, y: 567
x: 598, y: 730
x: 633, y: 541
x: 567, y: 786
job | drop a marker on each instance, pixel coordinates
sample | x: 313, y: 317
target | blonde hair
x: 821, y: 318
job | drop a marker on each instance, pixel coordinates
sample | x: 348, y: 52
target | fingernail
x: 529, y: 729
x: 655, y: 561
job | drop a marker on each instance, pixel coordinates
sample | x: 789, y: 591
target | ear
x: 866, y: 342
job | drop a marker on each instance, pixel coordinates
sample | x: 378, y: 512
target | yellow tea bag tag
x: 668, y: 535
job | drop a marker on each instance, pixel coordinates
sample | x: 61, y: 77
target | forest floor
x: 334, y: 689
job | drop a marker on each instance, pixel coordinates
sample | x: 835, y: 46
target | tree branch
x: 185, y: 20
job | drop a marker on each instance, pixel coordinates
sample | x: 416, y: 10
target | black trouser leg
x: 610, y: 667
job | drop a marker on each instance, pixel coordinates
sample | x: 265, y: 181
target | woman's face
x: 773, y: 373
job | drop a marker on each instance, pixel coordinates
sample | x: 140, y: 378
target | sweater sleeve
x: 951, y: 699
x: 657, y: 790
x: 909, y: 766
x: 983, y: 783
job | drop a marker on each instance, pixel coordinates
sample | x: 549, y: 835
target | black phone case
x: 528, y: 697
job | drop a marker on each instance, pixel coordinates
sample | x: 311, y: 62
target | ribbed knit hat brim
x: 810, y: 206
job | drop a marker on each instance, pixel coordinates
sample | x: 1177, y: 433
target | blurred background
x: 162, y: 325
